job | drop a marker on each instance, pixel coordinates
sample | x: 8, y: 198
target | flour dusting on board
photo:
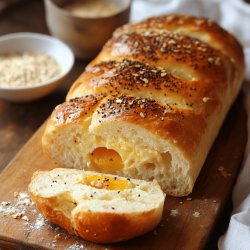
x: 17, y: 208
x: 76, y: 246
x: 174, y: 212
x: 22, y: 208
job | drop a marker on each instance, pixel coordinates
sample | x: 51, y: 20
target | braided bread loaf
x: 152, y: 102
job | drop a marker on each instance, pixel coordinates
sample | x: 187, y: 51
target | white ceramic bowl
x: 20, y: 42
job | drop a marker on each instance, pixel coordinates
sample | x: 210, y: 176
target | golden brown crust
x: 196, y: 27
x: 74, y: 110
x: 107, y: 227
x: 99, y: 227
x: 185, y: 57
x: 138, y: 79
x: 46, y: 207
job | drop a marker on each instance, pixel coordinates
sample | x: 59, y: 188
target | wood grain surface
x: 187, y: 222
x: 19, y: 121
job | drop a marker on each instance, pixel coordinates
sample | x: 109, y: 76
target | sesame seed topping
x: 96, y: 70
x: 205, y: 99
x: 210, y: 59
x: 118, y: 100
x: 122, y: 77
x: 142, y: 115
x: 155, y: 45
x: 217, y: 61
x: 171, y: 41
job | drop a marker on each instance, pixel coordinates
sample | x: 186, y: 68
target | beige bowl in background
x: 26, y: 41
x: 85, y: 36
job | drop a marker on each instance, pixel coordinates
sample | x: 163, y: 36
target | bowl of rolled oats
x: 32, y: 65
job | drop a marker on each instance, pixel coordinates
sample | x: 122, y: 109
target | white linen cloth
x: 233, y: 15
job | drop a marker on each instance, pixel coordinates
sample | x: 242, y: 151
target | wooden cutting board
x: 187, y: 222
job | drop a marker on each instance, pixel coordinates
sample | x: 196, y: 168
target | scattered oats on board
x: 57, y: 236
x: 223, y: 172
x: 38, y: 223
x: 22, y: 208
x: 174, y: 212
x: 16, y: 209
x: 76, y: 246
x: 196, y: 214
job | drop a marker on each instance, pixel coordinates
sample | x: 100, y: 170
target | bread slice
x: 99, y: 208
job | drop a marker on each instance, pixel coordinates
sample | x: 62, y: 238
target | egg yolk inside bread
x: 106, y: 182
x: 106, y: 160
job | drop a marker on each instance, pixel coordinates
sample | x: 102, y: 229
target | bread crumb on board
x: 22, y: 208
x: 196, y: 214
x: 16, y: 209
x: 174, y: 212
x: 57, y: 236
x: 223, y: 172
x: 76, y: 246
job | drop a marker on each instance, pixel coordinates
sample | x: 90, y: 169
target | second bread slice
x: 100, y: 208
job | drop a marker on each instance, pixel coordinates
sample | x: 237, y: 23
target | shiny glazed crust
x: 164, y: 87
x: 201, y: 28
